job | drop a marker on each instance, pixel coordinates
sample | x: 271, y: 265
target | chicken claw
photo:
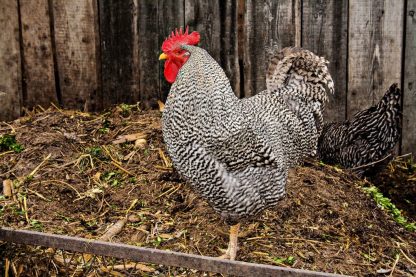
x: 231, y: 252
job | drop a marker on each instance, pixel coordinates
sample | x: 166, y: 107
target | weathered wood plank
x: 374, y: 55
x: 149, y: 50
x: 119, y: 51
x: 10, y: 68
x: 171, y: 16
x: 151, y: 255
x: 217, y: 22
x: 76, y: 40
x: 266, y: 24
x: 324, y: 31
x: 409, y: 84
x: 204, y: 17
x: 39, y: 73
x: 229, y: 57
x: 240, y: 41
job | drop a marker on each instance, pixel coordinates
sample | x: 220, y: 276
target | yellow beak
x: 163, y: 56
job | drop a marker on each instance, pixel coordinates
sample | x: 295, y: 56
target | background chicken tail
x: 301, y: 69
x: 385, y: 113
x: 364, y: 143
x: 391, y: 100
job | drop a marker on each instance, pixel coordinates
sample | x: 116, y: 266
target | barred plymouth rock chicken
x: 368, y: 137
x: 236, y: 153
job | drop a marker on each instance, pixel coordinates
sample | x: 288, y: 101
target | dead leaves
x: 161, y: 105
x: 141, y: 137
x: 8, y: 188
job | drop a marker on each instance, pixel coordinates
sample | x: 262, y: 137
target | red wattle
x: 171, y: 71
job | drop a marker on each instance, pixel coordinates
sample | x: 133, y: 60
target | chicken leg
x: 231, y: 252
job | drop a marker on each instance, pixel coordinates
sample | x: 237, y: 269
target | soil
x: 76, y: 181
x: 398, y: 182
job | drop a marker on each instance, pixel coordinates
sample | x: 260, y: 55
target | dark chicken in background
x: 364, y: 143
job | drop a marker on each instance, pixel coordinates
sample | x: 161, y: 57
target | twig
x: 369, y: 164
x: 114, y: 230
x: 40, y: 107
x: 39, y: 195
x: 57, y: 182
x: 93, y: 120
x: 5, y: 153
x: 16, y: 273
x: 166, y: 161
x: 180, y: 185
x: 129, y: 156
x: 78, y: 161
x: 116, y: 164
x: 394, y: 265
x: 101, y: 204
x: 142, y: 267
x: 42, y: 118
x: 308, y: 240
x: 407, y: 258
x: 404, y: 155
x: 39, y: 166
x: 109, y: 154
x: 163, y: 168
x: 53, y: 104
x: 68, y: 163
x: 314, y: 248
x: 6, y: 268
x: 133, y: 203
x: 10, y: 126
x: 144, y: 169
x: 25, y: 208
x: 166, y: 192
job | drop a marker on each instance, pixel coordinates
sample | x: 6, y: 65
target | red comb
x: 178, y: 38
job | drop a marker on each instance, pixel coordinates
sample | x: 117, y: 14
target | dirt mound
x: 73, y: 179
x: 398, y: 182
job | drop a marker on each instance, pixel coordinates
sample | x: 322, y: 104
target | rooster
x: 236, y: 153
x: 366, y: 139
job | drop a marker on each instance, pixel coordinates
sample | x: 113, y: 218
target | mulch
x: 80, y: 173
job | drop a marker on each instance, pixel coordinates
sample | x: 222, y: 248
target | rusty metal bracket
x: 148, y: 255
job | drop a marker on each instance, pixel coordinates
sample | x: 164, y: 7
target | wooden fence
x: 90, y: 54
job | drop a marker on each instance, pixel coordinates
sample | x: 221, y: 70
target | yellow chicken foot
x: 231, y: 252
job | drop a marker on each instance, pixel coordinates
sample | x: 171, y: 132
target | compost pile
x: 78, y: 174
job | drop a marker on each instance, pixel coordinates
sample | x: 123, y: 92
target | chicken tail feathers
x: 391, y: 100
x: 387, y: 110
x: 302, y: 69
x: 365, y: 142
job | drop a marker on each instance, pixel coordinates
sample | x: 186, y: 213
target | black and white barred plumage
x: 368, y: 137
x: 236, y: 153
